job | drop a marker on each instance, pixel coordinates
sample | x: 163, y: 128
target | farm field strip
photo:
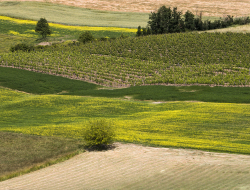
x: 55, y: 13
x: 40, y: 83
x: 26, y: 28
x: 209, y: 8
x: 190, y: 58
x: 199, y: 125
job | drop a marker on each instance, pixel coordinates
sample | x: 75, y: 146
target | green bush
x: 86, y: 37
x: 98, y: 134
x: 22, y: 47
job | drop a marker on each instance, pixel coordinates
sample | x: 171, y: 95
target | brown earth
x: 208, y: 7
x: 130, y: 166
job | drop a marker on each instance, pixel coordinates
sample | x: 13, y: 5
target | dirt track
x: 130, y: 166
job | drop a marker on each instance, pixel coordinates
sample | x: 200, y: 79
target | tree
x: 139, y: 32
x: 189, y: 20
x: 86, y: 37
x: 42, y: 27
x: 166, y: 21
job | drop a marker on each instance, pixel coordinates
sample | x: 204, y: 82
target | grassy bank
x: 22, y: 153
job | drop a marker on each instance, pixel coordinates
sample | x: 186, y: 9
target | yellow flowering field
x: 68, y: 27
x: 207, y: 126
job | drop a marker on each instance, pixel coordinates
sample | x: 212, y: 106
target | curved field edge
x: 220, y: 127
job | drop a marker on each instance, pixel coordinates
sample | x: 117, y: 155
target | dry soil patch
x: 130, y: 166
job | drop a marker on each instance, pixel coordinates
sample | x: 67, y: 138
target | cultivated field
x: 187, y: 58
x: 130, y: 166
x: 209, y: 8
x: 75, y: 15
x: 202, y: 101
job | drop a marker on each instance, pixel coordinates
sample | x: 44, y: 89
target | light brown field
x: 130, y: 166
x: 208, y: 7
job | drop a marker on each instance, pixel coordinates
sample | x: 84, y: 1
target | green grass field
x: 207, y: 126
x: 75, y: 16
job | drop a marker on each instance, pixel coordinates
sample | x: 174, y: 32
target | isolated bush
x: 22, y: 47
x: 42, y: 27
x: 86, y: 37
x: 98, y: 134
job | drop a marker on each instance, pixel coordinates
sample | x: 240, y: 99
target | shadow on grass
x: 38, y: 83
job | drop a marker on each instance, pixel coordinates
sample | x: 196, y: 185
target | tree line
x: 166, y: 20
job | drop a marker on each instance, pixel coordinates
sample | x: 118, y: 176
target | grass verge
x: 22, y: 153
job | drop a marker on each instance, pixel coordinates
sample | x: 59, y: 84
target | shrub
x: 98, y: 134
x: 86, y: 37
x: 22, y: 47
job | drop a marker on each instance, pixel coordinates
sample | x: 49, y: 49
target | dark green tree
x: 189, y: 20
x: 42, y: 27
x: 166, y: 20
x: 139, y: 32
x: 144, y: 31
x: 148, y: 31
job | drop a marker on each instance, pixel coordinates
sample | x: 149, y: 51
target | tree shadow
x: 102, y: 147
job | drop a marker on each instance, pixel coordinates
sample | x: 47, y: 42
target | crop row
x: 186, y: 58
x: 184, y: 48
x: 120, y: 71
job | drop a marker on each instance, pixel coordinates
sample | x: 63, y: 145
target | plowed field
x: 130, y: 166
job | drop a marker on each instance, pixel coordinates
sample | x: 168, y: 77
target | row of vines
x: 187, y: 58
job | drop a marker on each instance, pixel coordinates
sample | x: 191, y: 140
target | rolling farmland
x: 171, y: 92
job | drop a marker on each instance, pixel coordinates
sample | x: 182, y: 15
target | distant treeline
x: 167, y: 20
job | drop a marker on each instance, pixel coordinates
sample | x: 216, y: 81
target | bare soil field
x: 208, y: 7
x: 130, y: 166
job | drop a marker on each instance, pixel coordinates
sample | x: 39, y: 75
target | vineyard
x: 172, y: 59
